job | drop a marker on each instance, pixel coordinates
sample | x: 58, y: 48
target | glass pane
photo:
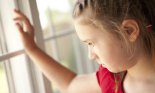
x: 20, y: 71
x: 7, y: 27
x: 64, y: 52
x: 3, y: 80
x: 55, y: 16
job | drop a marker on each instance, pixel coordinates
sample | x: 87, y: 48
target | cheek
x: 114, y: 56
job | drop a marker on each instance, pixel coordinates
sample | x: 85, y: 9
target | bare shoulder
x: 85, y: 84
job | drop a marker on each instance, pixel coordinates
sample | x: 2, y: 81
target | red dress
x: 107, y: 82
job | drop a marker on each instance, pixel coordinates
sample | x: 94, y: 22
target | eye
x: 90, y: 44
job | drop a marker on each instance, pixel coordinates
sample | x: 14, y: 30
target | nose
x: 91, y: 54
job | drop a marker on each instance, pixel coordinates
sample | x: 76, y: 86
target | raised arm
x: 66, y: 80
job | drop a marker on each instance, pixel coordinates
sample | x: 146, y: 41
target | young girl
x: 121, y: 37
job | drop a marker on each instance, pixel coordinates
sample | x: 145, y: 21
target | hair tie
x: 149, y: 28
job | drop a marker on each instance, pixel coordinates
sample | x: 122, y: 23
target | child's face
x: 104, y: 48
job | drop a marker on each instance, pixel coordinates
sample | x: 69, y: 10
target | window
x: 19, y: 75
x: 55, y: 34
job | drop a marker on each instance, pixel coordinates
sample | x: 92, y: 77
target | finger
x: 26, y: 25
x: 19, y: 13
x: 20, y: 19
x: 21, y: 16
x: 29, y: 30
x: 20, y: 29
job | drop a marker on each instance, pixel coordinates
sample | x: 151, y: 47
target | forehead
x: 88, y: 31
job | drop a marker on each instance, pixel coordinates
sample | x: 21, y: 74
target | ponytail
x: 149, y: 12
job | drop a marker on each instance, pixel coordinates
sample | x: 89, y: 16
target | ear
x: 131, y: 29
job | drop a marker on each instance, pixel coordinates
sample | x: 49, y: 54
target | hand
x: 22, y: 23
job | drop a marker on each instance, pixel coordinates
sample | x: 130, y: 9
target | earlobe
x: 131, y: 29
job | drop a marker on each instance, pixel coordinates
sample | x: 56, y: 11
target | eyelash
x: 90, y: 44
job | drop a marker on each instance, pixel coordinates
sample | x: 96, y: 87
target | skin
x: 105, y: 48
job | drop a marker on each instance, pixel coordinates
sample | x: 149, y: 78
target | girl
x: 120, y: 35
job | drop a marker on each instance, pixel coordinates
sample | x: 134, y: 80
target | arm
x: 85, y: 84
x: 66, y: 80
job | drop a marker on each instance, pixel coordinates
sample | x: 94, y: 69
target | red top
x: 107, y: 82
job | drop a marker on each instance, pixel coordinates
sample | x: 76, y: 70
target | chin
x: 103, y: 65
x: 111, y: 70
x: 114, y: 70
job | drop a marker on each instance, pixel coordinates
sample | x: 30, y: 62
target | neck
x: 143, y: 70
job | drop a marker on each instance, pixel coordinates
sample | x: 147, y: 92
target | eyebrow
x: 86, y: 40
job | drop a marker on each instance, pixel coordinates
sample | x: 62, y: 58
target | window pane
x: 64, y: 52
x: 7, y: 27
x: 20, y: 72
x: 3, y: 80
x: 55, y: 16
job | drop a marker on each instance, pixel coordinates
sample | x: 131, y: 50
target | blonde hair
x: 109, y: 14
